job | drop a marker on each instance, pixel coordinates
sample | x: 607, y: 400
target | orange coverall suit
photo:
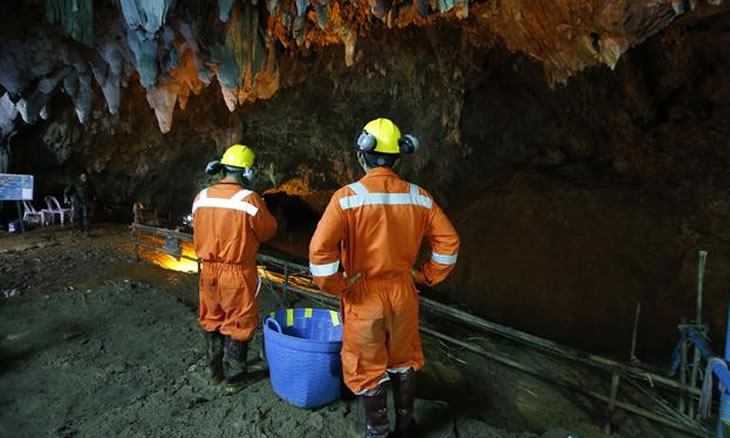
x: 229, y: 224
x: 375, y: 227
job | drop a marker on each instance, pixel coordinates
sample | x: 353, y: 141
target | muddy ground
x: 95, y: 343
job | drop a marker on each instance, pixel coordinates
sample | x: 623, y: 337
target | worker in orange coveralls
x: 229, y: 224
x: 374, y: 229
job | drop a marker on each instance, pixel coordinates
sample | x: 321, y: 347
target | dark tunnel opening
x: 296, y: 221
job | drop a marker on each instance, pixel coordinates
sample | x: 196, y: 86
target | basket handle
x: 276, y: 327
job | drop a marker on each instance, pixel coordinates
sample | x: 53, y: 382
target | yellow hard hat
x: 238, y: 156
x: 386, y: 135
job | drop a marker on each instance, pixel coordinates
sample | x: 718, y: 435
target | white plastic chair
x: 31, y: 215
x: 54, y: 208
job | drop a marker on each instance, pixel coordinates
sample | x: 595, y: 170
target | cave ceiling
x: 178, y: 48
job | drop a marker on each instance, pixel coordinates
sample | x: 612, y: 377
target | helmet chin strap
x: 361, y: 161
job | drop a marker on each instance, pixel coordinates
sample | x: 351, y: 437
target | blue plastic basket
x: 303, y: 352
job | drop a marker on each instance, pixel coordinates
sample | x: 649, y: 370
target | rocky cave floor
x: 95, y: 343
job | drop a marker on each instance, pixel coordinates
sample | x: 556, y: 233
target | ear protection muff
x: 365, y: 141
x: 249, y: 173
x: 213, y: 168
x: 408, y: 144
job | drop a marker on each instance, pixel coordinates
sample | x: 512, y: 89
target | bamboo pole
x: 632, y: 355
x: 702, y: 260
x: 163, y: 232
x: 683, y: 370
x: 552, y: 347
x: 615, y: 379
x: 663, y: 404
x: 696, y: 431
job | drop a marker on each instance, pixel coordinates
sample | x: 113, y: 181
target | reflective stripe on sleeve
x: 444, y: 259
x: 324, y: 270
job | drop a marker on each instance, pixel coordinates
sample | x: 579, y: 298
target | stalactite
x: 321, y: 16
x: 170, y: 58
x: 445, y: 5
x: 78, y: 88
x: 4, y: 157
x: 423, y: 7
x: 144, y: 19
x: 75, y: 16
x: 268, y: 80
x: 349, y: 38
x: 224, y: 10
x: 462, y: 9
x: 301, y: 6
x: 145, y: 54
x: 272, y: 6
x: 299, y: 29
x: 30, y: 107
x: 149, y: 15
x: 241, y: 51
x: 8, y: 113
x: 162, y: 99
x: 23, y: 62
x: 48, y: 84
x: 108, y: 81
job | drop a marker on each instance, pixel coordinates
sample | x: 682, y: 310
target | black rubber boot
x: 376, y: 414
x: 404, y: 392
x: 234, y: 364
x: 214, y: 356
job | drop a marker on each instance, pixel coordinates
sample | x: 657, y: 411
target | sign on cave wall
x: 16, y: 187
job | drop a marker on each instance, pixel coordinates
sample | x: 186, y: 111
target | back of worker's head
x: 237, y: 161
x: 380, y: 143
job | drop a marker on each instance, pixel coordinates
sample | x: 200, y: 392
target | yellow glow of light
x: 167, y: 261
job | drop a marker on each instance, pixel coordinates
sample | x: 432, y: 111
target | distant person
x: 229, y: 223
x: 80, y: 193
x: 374, y: 228
x: 138, y: 211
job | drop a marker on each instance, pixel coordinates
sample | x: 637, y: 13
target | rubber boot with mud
x: 234, y: 364
x: 214, y: 356
x: 376, y: 414
x: 404, y: 392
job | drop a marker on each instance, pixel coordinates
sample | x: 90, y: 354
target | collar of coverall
x: 381, y: 171
x: 229, y: 181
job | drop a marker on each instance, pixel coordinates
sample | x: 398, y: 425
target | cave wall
x: 597, y: 195
x: 574, y: 201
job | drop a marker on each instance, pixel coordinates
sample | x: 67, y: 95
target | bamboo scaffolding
x: 696, y: 431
